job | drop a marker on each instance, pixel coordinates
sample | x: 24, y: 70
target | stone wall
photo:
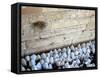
x: 63, y: 27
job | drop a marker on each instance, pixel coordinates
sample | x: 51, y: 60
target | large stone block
x: 63, y: 28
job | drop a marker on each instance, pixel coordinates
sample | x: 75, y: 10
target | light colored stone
x: 63, y: 27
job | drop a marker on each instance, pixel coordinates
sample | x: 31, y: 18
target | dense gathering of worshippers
x: 74, y: 56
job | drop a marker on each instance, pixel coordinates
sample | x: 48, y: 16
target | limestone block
x: 63, y: 27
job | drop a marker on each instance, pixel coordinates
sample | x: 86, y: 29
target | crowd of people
x: 74, y: 56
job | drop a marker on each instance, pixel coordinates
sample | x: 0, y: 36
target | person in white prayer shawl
x: 33, y: 57
x: 46, y: 59
x: 45, y: 65
x: 43, y: 55
x: 50, y: 66
x: 66, y: 65
x: 34, y: 67
x: 39, y: 66
x: 51, y: 60
x: 33, y: 62
x: 71, y: 57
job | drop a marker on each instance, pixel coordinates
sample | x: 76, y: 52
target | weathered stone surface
x: 63, y: 27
